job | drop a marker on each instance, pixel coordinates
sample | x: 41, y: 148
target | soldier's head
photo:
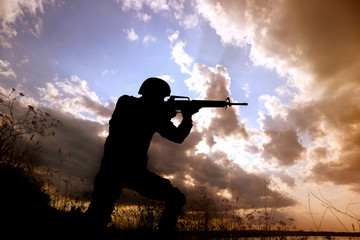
x: 155, y: 88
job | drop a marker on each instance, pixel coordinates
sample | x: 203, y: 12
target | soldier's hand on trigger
x: 169, y: 113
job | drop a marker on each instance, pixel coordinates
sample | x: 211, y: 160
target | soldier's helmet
x: 155, y: 87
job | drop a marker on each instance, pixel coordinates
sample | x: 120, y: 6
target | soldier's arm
x: 176, y: 134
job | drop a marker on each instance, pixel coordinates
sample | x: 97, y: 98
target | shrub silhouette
x: 18, y: 122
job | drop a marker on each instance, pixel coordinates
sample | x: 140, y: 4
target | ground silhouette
x: 25, y: 211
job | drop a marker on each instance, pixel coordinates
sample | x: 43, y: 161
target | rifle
x: 180, y: 105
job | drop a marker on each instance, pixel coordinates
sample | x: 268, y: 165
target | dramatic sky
x: 297, y: 64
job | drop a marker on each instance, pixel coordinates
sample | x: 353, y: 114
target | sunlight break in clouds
x: 214, y: 169
x: 208, y: 144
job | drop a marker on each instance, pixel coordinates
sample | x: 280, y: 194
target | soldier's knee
x: 177, y: 197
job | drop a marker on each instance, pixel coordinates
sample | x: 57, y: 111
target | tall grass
x: 201, y: 214
x: 65, y: 194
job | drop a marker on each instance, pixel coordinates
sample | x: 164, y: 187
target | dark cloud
x: 96, y: 107
x: 284, y: 146
x: 285, y: 178
x: 76, y: 149
x: 283, y: 143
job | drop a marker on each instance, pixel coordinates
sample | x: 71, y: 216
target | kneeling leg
x: 174, y: 204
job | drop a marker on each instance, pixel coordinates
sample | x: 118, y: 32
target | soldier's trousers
x: 107, y: 189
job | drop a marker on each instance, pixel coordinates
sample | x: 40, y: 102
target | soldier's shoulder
x: 126, y: 99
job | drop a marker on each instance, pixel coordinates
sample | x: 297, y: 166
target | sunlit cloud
x: 180, y: 57
x: 75, y: 97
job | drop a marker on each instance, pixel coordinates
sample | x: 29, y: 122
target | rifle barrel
x: 204, y: 103
x: 242, y: 104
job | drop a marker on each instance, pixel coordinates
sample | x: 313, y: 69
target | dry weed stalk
x: 333, y: 210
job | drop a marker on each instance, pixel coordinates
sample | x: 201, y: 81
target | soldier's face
x: 155, y: 99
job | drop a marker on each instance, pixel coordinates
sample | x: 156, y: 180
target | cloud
x: 174, y: 35
x: 284, y: 177
x: 6, y: 70
x: 155, y: 5
x: 167, y: 78
x: 225, y: 17
x: 287, y: 148
x: 75, y: 150
x: 149, y: 39
x: 143, y: 16
x: 85, y: 122
x: 131, y: 35
x: 189, y: 21
x: 176, y: 7
x: 315, y: 46
x: 213, y: 168
x: 281, y: 140
x: 74, y: 96
x: 180, y: 57
x: 214, y: 84
x: 139, y: 5
x: 107, y: 71
x: 11, y: 11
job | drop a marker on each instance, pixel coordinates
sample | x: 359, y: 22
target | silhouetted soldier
x: 124, y: 164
